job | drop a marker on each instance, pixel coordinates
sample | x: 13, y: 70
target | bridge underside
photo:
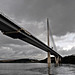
x: 10, y: 29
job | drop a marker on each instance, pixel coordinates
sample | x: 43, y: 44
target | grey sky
x: 32, y: 14
x: 60, y: 12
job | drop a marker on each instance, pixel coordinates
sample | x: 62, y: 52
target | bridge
x: 12, y: 30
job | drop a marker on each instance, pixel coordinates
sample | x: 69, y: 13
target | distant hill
x: 45, y: 60
x: 69, y: 59
x: 19, y: 61
x: 65, y: 60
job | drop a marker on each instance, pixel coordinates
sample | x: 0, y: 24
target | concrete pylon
x: 57, y: 61
x: 49, y: 58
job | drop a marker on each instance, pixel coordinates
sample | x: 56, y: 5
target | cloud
x: 21, y: 51
x: 28, y: 51
x: 35, y: 28
x: 66, y: 42
x: 6, y: 52
x: 67, y: 52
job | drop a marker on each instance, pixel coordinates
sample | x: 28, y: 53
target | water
x: 35, y: 69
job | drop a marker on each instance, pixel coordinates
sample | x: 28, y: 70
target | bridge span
x: 12, y: 30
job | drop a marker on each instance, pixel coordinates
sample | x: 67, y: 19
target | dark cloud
x: 60, y: 12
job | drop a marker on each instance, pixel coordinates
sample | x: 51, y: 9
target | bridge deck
x: 12, y: 30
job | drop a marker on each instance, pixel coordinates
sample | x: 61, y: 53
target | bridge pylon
x: 49, y: 58
x: 57, y: 60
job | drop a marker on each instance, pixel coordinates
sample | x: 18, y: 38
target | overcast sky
x: 31, y: 15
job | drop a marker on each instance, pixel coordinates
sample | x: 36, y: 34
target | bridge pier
x: 49, y: 62
x: 49, y: 59
x: 57, y: 61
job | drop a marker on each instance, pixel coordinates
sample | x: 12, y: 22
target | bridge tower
x: 57, y: 59
x: 49, y: 58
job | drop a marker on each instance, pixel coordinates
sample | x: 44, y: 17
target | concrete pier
x: 56, y: 61
x: 49, y: 58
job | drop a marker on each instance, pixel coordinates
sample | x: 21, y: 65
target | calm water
x: 35, y: 69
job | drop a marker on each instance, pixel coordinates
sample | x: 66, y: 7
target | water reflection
x: 49, y: 69
x: 36, y: 69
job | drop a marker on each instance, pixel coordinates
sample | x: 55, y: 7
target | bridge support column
x: 49, y: 62
x: 49, y: 59
x: 56, y: 61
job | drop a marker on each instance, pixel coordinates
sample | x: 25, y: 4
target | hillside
x: 65, y: 60
x: 69, y: 59
x: 19, y: 61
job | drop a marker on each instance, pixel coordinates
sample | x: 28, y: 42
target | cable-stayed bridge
x: 12, y: 30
